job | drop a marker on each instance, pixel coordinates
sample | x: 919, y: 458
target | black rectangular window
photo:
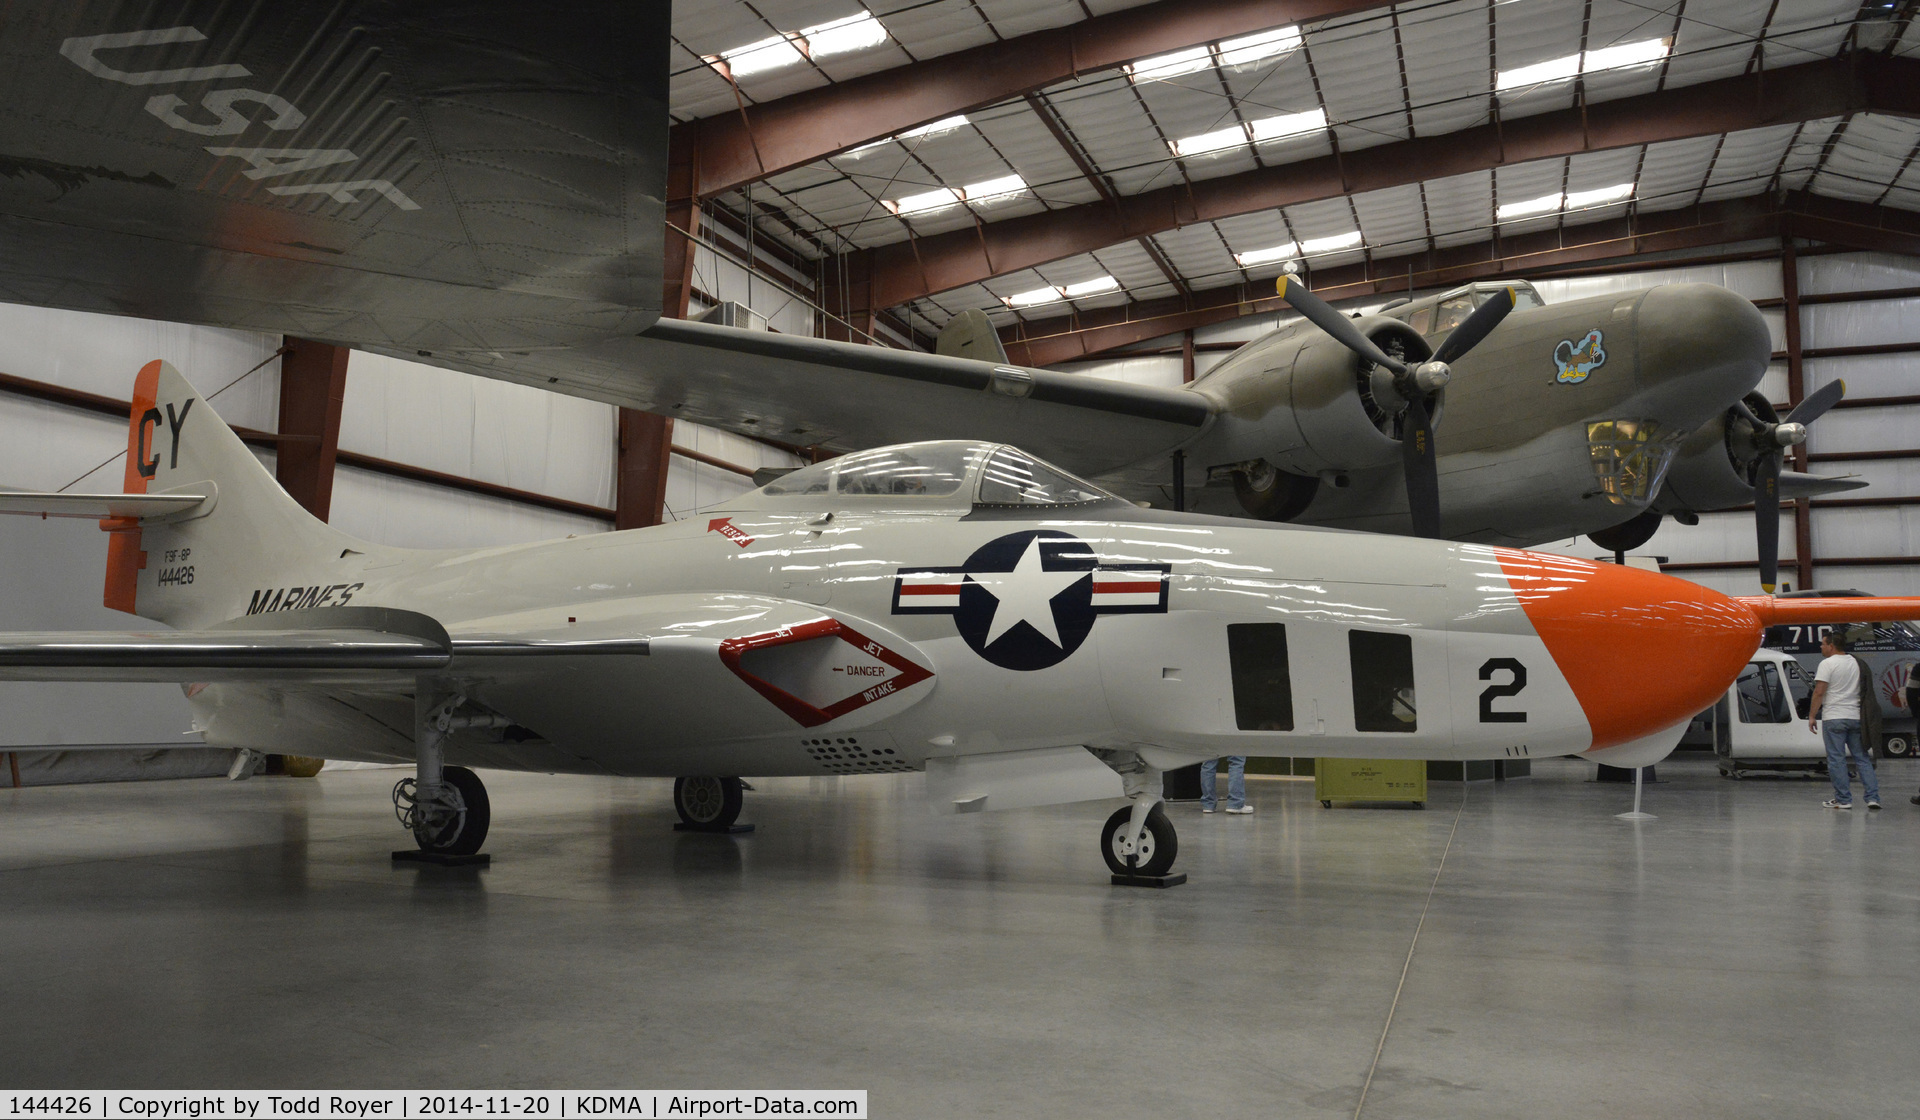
x: 1382, y: 681
x: 1262, y: 691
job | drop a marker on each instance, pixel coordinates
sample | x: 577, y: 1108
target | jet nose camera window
x: 1014, y: 478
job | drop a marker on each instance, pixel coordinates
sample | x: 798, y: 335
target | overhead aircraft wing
x: 814, y: 392
x: 487, y: 175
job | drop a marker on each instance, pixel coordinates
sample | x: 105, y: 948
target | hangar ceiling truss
x: 1076, y: 162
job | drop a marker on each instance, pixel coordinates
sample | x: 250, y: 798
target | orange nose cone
x: 1641, y: 651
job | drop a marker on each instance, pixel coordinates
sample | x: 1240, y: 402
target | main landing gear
x: 1138, y: 842
x: 445, y: 807
x: 709, y: 804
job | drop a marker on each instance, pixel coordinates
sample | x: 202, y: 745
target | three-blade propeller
x: 1770, y: 442
x: 1415, y: 383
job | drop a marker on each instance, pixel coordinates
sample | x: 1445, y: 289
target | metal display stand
x: 720, y: 829
x: 442, y: 859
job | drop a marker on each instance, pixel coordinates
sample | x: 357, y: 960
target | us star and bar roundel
x: 1028, y: 600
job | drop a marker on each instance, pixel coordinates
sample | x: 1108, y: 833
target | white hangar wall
x: 1840, y: 531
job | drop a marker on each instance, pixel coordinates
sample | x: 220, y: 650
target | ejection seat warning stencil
x: 1028, y: 600
x: 820, y: 671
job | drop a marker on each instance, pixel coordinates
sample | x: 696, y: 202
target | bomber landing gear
x: 709, y: 804
x: 445, y: 807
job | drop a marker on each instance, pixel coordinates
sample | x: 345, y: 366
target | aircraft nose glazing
x: 1641, y: 651
x: 1706, y: 343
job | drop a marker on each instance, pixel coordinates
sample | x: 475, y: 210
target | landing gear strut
x: 445, y: 807
x: 1138, y: 842
x: 709, y: 804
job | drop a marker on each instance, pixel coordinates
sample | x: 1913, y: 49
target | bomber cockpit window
x: 1014, y: 478
x: 1451, y: 313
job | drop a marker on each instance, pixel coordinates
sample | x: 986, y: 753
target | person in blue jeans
x: 1837, y: 691
x: 1236, y: 785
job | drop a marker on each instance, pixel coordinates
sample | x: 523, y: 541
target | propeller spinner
x: 1769, y: 443
x: 1414, y: 382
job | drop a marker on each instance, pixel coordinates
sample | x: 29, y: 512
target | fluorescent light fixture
x: 1287, y: 124
x: 922, y: 203
x: 1171, y: 65
x: 1253, y: 132
x: 1254, y: 48
x: 987, y: 190
x: 1243, y: 51
x: 1090, y: 287
x: 1578, y: 200
x: 1058, y: 292
x: 1329, y: 244
x: 1606, y: 58
x: 1029, y: 299
x: 841, y: 36
x: 1267, y: 256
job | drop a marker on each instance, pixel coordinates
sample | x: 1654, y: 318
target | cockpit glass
x: 1451, y: 313
x: 1013, y: 478
x: 934, y: 470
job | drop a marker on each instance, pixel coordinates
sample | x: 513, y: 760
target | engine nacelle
x: 1714, y: 466
x: 1309, y: 407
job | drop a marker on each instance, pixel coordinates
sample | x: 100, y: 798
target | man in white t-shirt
x: 1837, y: 690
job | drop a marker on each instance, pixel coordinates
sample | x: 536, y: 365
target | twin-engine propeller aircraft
x: 957, y: 607
x: 481, y: 189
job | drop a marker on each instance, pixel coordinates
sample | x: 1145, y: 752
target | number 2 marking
x: 1495, y: 691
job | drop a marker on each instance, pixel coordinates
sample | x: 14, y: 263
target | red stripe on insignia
x: 929, y: 589
x: 1126, y: 587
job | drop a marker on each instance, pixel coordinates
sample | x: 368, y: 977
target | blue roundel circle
x: 1043, y: 575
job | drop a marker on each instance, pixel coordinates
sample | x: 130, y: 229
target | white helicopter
x: 956, y: 607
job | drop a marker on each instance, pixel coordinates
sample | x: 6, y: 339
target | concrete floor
x: 1747, y: 954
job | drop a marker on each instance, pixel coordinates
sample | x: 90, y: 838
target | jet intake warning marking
x: 1028, y: 600
x: 820, y: 671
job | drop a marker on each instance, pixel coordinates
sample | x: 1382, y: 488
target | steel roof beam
x: 736, y: 148
x: 1829, y: 88
x: 1855, y: 224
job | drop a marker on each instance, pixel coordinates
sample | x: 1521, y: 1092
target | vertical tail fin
x: 201, y: 566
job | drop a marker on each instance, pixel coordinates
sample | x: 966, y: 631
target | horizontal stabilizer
x: 94, y: 507
x: 1794, y: 484
x: 1774, y: 611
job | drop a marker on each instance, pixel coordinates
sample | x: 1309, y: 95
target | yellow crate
x: 1370, y: 779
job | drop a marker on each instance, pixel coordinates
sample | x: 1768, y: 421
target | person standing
x: 1236, y: 785
x: 1837, y: 691
x: 1913, y: 704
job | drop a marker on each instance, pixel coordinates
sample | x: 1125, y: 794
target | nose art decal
x: 1028, y: 600
x: 1572, y: 364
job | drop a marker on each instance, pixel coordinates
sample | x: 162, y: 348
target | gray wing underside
x: 367, y: 647
x: 1795, y: 484
x: 812, y: 392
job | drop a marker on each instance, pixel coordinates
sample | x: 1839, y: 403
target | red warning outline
x: 732, y: 649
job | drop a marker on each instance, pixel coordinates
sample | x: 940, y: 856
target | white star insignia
x: 1026, y: 595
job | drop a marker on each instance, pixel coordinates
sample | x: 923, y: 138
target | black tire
x: 1629, y: 534
x: 1326, y: 804
x: 708, y: 802
x: 1275, y: 495
x: 1897, y: 746
x: 463, y: 835
x: 1159, y: 845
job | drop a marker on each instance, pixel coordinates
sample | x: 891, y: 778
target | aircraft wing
x: 333, y: 645
x: 486, y: 175
x: 1795, y: 484
x: 813, y: 392
x: 93, y: 506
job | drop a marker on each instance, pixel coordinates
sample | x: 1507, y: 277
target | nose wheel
x: 709, y: 804
x: 454, y: 821
x: 1148, y: 857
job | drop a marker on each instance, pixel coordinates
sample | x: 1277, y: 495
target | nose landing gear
x: 1138, y: 842
x: 709, y: 804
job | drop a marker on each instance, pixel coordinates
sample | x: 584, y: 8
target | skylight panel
x: 1287, y: 124
x: 1253, y: 132
x: 945, y: 124
x: 1056, y: 292
x: 1256, y: 48
x: 1243, y: 51
x: 1310, y: 247
x: 1577, y: 200
x: 789, y: 48
x: 1638, y: 53
x: 1171, y: 65
x: 987, y: 190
